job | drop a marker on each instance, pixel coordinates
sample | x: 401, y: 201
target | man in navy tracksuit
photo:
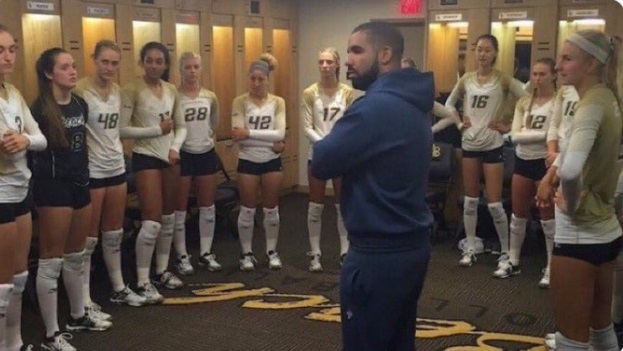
x: 382, y: 149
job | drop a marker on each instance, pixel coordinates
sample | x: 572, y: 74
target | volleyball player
x: 485, y: 93
x: 198, y: 164
x: 533, y: 115
x: 258, y: 125
x: 19, y: 133
x: 324, y: 104
x: 151, y: 115
x: 107, y: 172
x: 588, y: 235
x: 61, y: 193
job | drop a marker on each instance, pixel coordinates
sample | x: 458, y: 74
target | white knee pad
x: 90, y: 244
x: 208, y: 213
x: 5, y: 292
x: 73, y: 261
x: 50, y: 268
x: 150, y: 231
x: 470, y: 206
x: 168, y: 223
x: 549, y: 228
x: 19, y: 282
x: 113, y: 238
x: 314, y: 212
x: 271, y: 216
x: 496, y: 209
x: 518, y: 225
x: 246, y: 217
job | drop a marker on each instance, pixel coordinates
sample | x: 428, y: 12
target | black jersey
x: 70, y: 163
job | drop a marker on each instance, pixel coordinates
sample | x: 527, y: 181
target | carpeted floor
x: 293, y: 309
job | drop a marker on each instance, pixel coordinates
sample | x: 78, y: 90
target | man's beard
x: 363, y: 81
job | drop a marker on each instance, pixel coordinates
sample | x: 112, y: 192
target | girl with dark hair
x: 61, y: 193
x: 107, y: 172
x: 18, y: 132
x: 485, y: 93
x: 199, y: 164
x: 324, y: 104
x: 259, y: 126
x: 533, y: 115
x: 151, y: 114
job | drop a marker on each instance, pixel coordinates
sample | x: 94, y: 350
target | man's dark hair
x: 383, y: 34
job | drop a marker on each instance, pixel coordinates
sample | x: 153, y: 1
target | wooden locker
x: 98, y: 23
x: 205, y: 49
x: 41, y: 25
x: 442, y: 54
x: 584, y: 16
x: 71, y: 10
x: 146, y: 27
x: 252, y: 40
x: 545, y: 31
x: 10, y: 16
x: 223, y: 70
x: 168, y: 39
x: 125, y: 40
x: 187, y: 38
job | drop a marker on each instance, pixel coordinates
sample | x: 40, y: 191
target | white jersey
x: 322, y: 111
x: 266, y: 125
x: 564, y: 108
x: 530, y: 126
x: 596, y: 128
x: 105, y: 148
x: 14, y: 173
x: 483, y: 104
x: 141, y: 114
x: 201, y: 117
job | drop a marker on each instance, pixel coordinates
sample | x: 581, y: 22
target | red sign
x: 410, y: 7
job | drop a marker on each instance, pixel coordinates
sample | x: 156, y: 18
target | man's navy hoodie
x: 382, y: 149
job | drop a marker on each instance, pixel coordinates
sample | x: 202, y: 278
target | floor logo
x: 327, y: 311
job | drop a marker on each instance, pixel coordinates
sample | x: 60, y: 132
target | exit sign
x: 410, y: 7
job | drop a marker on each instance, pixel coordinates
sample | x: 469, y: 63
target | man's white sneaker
x: 167, y: 280
x: 468, y: 258
x: 183, y: 265
x: 58, y: 342
x: 128, y: 297
x: 247, y: 262
x: 208, y: 261
x: 150, y: 294
x: 544, y: 282
x: 506, y: 269
x: 314, y: 262
x: 94, y: 310
x: 274, y: 261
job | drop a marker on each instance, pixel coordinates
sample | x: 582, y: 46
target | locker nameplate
x: 99, y: 11
x: 223, y: 20
x: 147, y: 14
x: 583, y: 13
x: 513, y: 15
x: 187, y: 18
x: 447, y: 17
x: 253, y: 22
x: 40, y: 6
